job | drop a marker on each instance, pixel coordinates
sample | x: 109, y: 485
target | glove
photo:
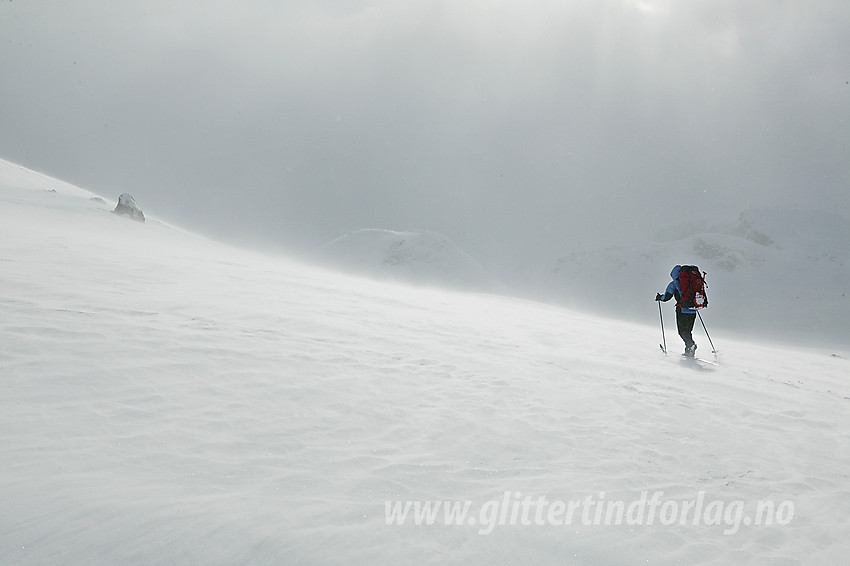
x: 658, y: 296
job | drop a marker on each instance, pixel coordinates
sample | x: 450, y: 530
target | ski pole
x: 713, y: 349
x: 663, y: 337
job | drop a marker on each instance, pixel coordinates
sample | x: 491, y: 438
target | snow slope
x: 169, y: 400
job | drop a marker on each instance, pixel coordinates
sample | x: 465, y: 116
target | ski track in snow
x: 167, y: 399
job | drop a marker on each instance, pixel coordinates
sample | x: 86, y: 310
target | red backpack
x: 692, y: 285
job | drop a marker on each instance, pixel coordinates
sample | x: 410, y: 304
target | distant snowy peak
x: 757, y: 237
x: 793, y: 228
x: 419, y: 256
x: 759, y: 233
x: 772, y: 227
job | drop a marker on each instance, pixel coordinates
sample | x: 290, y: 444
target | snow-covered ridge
x: 419, y: 256
x: 776, y: 227
x: 13, y: 176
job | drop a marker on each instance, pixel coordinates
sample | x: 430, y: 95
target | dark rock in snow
x: 127, y: 206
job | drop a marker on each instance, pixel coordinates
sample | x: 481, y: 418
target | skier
x: 685, y: 317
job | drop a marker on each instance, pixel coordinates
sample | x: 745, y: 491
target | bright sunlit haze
x: 522, y: 131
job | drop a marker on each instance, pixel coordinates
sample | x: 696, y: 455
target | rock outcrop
x: 128, y: 207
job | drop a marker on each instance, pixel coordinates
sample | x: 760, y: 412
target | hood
x: 675, y: 273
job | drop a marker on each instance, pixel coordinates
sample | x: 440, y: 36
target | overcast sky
x: 512, y: 126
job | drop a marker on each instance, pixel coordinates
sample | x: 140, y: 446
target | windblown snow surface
x: 170, y: 400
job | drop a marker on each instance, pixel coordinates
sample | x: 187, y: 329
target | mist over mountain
x: 521, y: 132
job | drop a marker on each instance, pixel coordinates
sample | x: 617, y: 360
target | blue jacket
x: 675, y: 290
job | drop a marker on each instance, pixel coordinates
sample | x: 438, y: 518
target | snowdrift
x: 169, y: 400
x: 418, y: 257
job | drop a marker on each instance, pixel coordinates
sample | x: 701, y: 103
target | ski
x: 700, y: 360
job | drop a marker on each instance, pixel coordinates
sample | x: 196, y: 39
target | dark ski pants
x: 685, y: 326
